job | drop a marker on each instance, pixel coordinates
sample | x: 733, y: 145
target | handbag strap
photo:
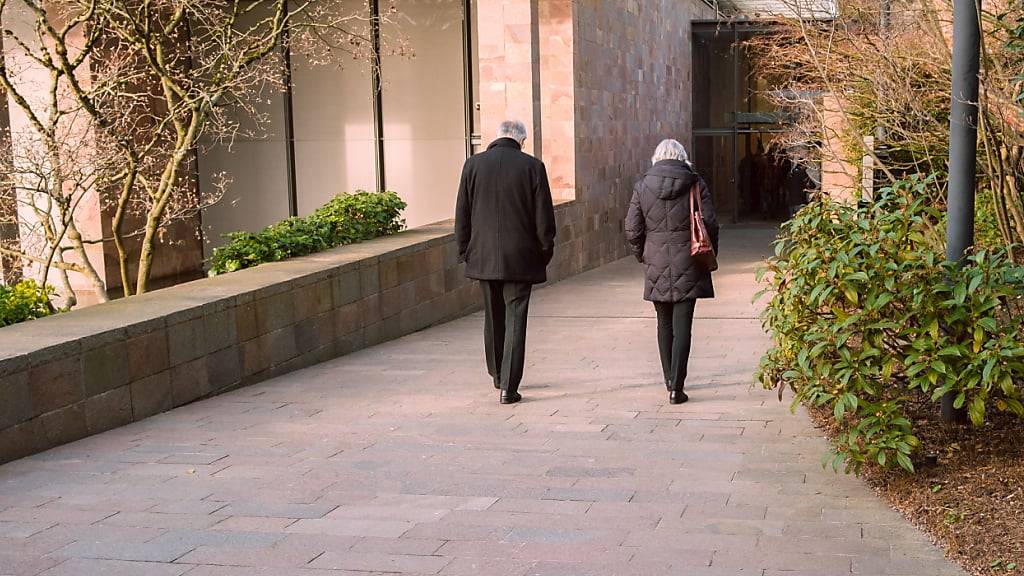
x: 695, y: 192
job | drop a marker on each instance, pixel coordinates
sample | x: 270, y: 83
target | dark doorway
x: 734, y: 124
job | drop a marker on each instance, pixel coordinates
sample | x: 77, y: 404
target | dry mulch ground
x: 969, y: 496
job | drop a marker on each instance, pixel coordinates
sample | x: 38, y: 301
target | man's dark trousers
x: 506, y: 305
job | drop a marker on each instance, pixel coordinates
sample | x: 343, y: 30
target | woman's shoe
x: 677, y: 397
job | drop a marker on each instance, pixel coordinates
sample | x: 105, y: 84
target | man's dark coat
x: 504, y: 220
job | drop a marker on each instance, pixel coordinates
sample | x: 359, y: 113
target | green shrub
x: 360, y: 216
x: 986, y: 223
x: 346, y: 219
x: 866, y: 316
x: 25, y: 300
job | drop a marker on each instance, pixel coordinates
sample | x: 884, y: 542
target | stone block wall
x: 66, y: 377
x: 614, y: 79
x: 633, y: 84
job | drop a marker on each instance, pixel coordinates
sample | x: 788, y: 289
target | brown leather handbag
x: 701, y: 250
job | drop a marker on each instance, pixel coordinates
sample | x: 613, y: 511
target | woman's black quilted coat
x: 658, y: 229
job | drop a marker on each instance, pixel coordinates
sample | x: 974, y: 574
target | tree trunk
x: 72, y: 299
x: 88, y: 269
x: 146, y: 254
x: 1012, y: 193
x: 169, y: 178
x: 122, y: 259
x: 116, y: 231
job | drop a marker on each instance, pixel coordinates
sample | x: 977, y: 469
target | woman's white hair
x: 670, y: 149
x: 513, y: 129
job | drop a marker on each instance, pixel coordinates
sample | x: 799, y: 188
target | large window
x: 424, y: 108
x: 734, y: 124
x: 256, y: 165
x: 332, y: 107
x: 334, y: 133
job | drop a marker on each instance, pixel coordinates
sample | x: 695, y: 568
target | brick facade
x: 632, y: 71
x: 614, y: 80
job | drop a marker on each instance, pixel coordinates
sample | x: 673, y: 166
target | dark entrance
x: 734, y: 124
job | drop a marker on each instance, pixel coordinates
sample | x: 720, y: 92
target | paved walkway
x: 398, y: 459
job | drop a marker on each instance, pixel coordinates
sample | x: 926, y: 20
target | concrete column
x: 558, y: 95
x: 840, y: 175
x: 508, y: 57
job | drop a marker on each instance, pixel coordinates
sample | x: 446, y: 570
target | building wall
x: 507, y: 66
x: 334, y: 140
x: 598, y: 82
x: 632, y: 89
x: 424, y: 129
x: 558, y: 94
x: 250, y: 173
x: 601, y: 82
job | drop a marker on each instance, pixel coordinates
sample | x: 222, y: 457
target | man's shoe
x: 677, y: 397
x: 668, y: 385
x: 497, y: 384
x: 510, y: 397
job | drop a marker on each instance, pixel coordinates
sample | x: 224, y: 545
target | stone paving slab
x: 398, y: 460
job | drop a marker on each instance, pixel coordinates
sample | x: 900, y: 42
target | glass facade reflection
x: 734, y: 124
x: 422, y: 118
x: 424, y: 108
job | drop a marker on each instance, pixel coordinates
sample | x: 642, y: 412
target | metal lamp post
x: 963, y: 145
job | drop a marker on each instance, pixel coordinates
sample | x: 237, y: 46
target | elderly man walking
x: 505, y: 229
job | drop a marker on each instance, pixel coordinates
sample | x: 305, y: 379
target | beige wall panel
x: 257, y: 194
x: 424, y: 109
x: 333, y: 115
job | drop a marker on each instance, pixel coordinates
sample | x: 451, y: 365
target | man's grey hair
x: 670, y: 149
x: 513, y: 129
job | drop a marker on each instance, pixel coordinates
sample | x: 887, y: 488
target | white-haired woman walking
x: 658, y: 229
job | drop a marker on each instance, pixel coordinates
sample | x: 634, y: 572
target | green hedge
x: 25, y: 300
x: 866, y: 317
x: 346, y: 219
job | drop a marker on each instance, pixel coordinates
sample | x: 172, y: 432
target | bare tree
x: 888, y: 65
x: 49, y: 170
x: 150, y: 80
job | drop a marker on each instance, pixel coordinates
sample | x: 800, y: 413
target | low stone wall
x: 72, y: 375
